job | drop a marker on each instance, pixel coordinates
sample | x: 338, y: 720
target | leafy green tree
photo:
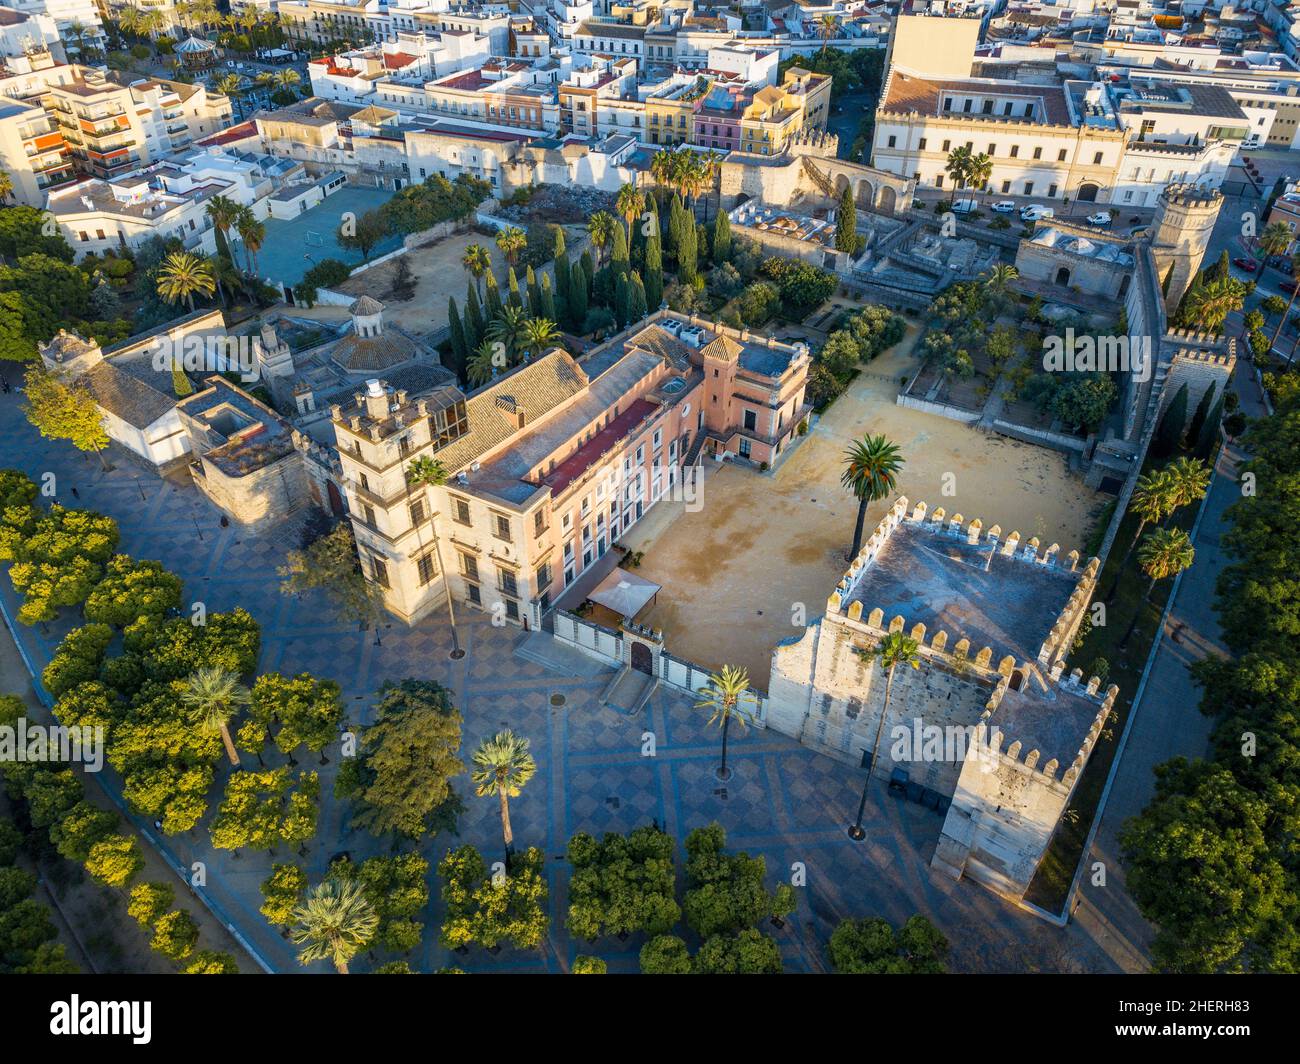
x: 368, y: 230
x: 282, y: 892
x: 63, y: 410
x: 115, y: 860
x: 402, y: 776
x: 149, y: 901
x: 78, y: 658
x: 76, y: 834
x: 1200, y: 867
x: 724, y: 892
x: 210, y: 962
x: 331, y: 564
x: 622, y: 884
x: 175, y: 934
x: 308, y: 711
x: 508, y: 906
x: 583, y: 965
x: 748, y: 952
x: 870, y: 946
x: 132, y: 589
x: 665, y: 955
x: 397, y: 890
x: 1084, y: 402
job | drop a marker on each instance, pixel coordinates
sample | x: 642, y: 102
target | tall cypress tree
x: 549, y: 310
x: 578, y: 297
x: 1210, y: 430
x: 654, y: 271
x: 619, y: 260
x: 846, y: 223
x: 636, y: 303
x: 459, y: 347
x: 514, y: 298
x: 622, y: 300
x: 561, y: 280
x: 492, y: 301
x: 588, y: 265
x: 534, y: 293
x: 721, y: 238
x: 1202, y: 412
x: 1170, y: 433
x: 457, y: 329
x: 473, y: 320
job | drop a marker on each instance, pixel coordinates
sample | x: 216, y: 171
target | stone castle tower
x: 1184, y: 220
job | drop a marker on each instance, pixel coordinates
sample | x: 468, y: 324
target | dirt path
x: 765, y: 551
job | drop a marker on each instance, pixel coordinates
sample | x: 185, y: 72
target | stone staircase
x: 818, y: 178
x: 693, y: 455
x: 629, y: 691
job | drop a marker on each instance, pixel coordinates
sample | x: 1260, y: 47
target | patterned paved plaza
x: 784, y: 802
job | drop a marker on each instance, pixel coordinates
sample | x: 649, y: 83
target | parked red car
x: 1245, y: 263
x: 1289, y: 287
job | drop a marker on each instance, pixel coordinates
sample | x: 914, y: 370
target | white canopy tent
x: 624, y: 593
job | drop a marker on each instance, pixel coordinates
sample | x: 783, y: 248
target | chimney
x: 376, y: 399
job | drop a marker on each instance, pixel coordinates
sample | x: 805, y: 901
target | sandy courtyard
x: 735, y: 573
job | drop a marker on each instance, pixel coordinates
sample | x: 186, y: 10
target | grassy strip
x: 1051, y: 883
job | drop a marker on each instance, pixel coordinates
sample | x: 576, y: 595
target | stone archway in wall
x: 865, y: 196
x: 1088, y: 192
x: 1063, y: 277
x: 887, y: 202
x: 642, y: 658
x: 841, y: 183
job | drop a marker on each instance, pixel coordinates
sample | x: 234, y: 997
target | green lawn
x: 1052, y: 881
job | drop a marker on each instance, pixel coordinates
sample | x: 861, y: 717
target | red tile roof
x: 594, y: 449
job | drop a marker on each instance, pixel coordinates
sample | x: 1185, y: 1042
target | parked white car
x: 1100, y: 218
x: 964, y: 206
x: 1005, y: 206
x: 1035, y: 213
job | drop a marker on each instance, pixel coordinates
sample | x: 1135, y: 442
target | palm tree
x: 1000, y: 277
x: 214, y: 696
x: 1208, y: 305
x: 663, y: 167
x: 728, y: 696
x: 229, y: 84
x: 253, y: 234
x: 1164, y: 553
x: 894, y: 650
x: 477, y: 260
x: 871, y: 468
x: 1188, y: 480
x: 287, y: 78
x: 600, y: 229
x: 224, y: 212
x: 1274, y: 240
x: 1152, y: 501
x: 512, y: 240
x: 630, y: 203
x: 183, y: 275
x: 507, y: 329
x: 502, y: 766
x: 1295, y: 270
x: 827, y: 27
x: 979, y: 171
x: 428, y: 473
x: 958, y: 165
x: 335, y: 922
x: 482, y: 366
x: 537, y: 333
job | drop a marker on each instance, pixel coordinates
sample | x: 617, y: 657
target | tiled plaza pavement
x: 784, y: 802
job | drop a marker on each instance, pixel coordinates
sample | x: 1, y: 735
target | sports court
x: 293, y: 247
